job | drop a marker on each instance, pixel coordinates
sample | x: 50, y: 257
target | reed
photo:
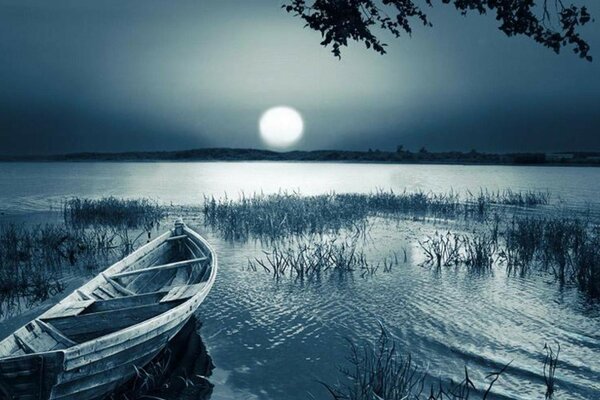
x: 112, y: 211
x: 566, y: 248
x: 550, y: 364
x: 312, y: 257
x: 380, y: 371
x: 479, y: 251
x: 523, y: 239
x: 586, y: 263
x: 284, y: 214
x: 442, y: 249
x: 33, y: 260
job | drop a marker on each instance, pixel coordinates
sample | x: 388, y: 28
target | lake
x: 277, y: 339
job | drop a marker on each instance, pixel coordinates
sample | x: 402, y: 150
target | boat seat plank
x: 68, y: 309
x: 86, y: 327
x: 183, y: 292
x: 172, y: 238
x: 178, y: 264
x: 125, y: 302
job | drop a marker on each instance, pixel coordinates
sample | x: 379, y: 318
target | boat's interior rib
x: 164, y: 278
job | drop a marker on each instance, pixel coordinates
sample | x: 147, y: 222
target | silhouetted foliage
x: 552, y: 23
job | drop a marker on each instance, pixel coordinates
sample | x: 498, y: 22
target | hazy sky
x: 104, y: 75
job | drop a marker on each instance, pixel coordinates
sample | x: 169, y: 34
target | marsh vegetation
x: 305, y: 238
x: 283, y: 214
x: 382, y: 370
x: 112, y: 211
x: 566, y: 248
x: 35, y: 259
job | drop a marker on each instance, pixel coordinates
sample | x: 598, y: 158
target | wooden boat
x: 93, y: 341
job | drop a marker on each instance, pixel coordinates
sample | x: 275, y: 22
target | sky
x: 139, y: 75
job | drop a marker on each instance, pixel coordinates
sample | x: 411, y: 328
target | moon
x: 281, y: 126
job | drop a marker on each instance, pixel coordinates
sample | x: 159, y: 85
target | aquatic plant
x: 523, y: 239
x: 308, y: 258
x: 550, y: 364
x: 479, y: 251
x: 112, y: 211
x: 33, y: 259
x: 284, y: 214
x: 442, y: 249
x: 566, y: 248
x: 510, y: 197
x: 380, y: 371
x: 586, y: 263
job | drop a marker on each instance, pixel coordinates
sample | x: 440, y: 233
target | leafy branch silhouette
x: 550, y: 23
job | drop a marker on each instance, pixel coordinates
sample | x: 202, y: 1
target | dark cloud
x: 148, y: 75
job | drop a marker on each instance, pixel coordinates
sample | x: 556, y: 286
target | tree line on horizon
x: 400, y: 155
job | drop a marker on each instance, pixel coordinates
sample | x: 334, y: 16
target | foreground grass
x: 284, y: 214
x: 380, y: 371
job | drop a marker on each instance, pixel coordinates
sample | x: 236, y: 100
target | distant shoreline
x: 342, y: 156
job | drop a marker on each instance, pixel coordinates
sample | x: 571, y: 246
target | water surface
x: 274, y: 340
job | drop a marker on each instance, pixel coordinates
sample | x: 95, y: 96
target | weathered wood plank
x: 67, y: 309
x: 85, y: 327
x: 111, y: 369
x: 83, y: 296
x: 118, y: 287
x: 125, y: 302
x: 172, y: 238
x: 108, y: 290
x: 126, y: 356
x: 58, y: 336
x: 173, y: 265
x: 183, y: 292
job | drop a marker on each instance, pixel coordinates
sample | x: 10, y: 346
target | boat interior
x: 152, y: 284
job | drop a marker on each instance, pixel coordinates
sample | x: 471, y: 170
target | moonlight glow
x: 281, y: 126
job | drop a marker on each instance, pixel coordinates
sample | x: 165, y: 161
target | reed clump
x: 567, y: 248
x: 510, y: 197
x: 284, y: 214
x: 442, y: 249
x: 112, y: 211
x: 310, y: 258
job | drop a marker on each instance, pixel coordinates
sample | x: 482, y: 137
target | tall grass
x: 112, y: 211
x: 284, y: 214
